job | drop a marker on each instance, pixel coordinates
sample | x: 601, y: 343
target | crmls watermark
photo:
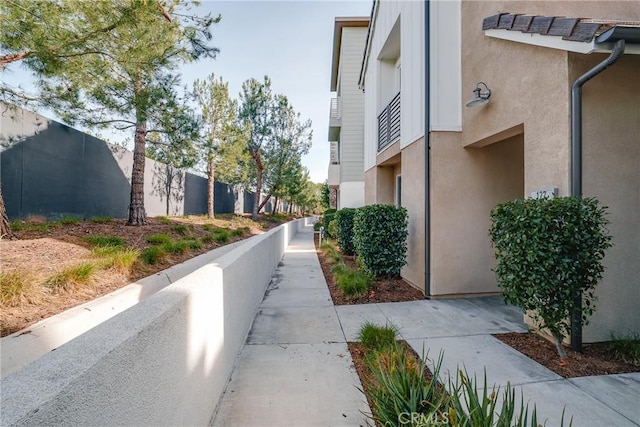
x: 416, y: 419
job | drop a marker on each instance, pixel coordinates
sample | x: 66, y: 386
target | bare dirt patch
x: 45, y: 249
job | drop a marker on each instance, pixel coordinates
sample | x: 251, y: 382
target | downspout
x: 576, y: 162
x: 427, y: 152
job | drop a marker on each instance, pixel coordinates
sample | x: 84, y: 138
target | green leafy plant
x: 101, y: 219
x: 380, y: 239
x: 400, y: 388
x: 158, y: 239
x: 316, y: 226
x: 163, y: 220
x: 625, y: 348
x: 176, y: 246
x: 193, y: 243
x: 344, y: 233
x: 548, y: 252
x: 102, y: 241
x: 239, y: 231
x: 332, y: 229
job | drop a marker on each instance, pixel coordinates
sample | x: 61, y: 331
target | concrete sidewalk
x: 295, y: 368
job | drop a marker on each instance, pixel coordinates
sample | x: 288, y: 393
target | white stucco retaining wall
x: 164, y: 361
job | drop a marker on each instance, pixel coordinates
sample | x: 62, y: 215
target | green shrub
x: 327, y: 217
x: 549, y: 251
x: 353, y: 283
x: 69, y: 220
x: 332, y: 230
x: 380, y: 239
x: 376, y: 338
x: 344, y: 232
x: 158, y: 239
x: 239, y: 231
x: 101, y: 219
x: 104, y: 241
x: 208, y: 239
x: 153, y: 254
x: 316, y: 226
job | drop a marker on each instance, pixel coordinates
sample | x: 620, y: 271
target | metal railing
x: 389, y: 123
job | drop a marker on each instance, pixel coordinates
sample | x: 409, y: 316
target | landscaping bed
x: 50, y: 267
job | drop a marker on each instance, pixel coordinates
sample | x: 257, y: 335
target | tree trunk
x: 275, y: 206
x: 5, y: 228
x: 259, y: 170
x: 137, y: 214
x: 210, y: 187
x: 167, y: 187
x: 559, y: 347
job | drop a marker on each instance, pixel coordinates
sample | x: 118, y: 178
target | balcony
x: 333, y: 176
x: 335, y: 118
x: 389, y: 123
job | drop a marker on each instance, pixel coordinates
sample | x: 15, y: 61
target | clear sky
x: 291, y: 42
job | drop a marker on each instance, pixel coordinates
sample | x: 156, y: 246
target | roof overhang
x: 580, y: 35
x: 340, y: 23
x: 556, y: 42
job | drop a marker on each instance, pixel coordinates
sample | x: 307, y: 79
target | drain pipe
x: 427, y: 153
x: 576, y: 162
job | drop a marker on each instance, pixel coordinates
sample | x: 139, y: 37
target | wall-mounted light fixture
x: 480, y: 96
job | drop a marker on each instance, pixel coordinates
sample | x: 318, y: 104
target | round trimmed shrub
x: 327, y: 217
x: 380, y: 239
x: 344, y: 218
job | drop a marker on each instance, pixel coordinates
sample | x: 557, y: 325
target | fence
x: 51, y: 170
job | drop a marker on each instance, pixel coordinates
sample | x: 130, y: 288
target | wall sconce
x: 480, y: 96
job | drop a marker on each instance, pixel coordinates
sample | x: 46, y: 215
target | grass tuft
x: 222, y: 235
x: 159, y: 239
x: 626, y: 348
x: 118, y: 258
x: 182, y: 229
x: 101, y: 219
x: 71, y: 277
x: 375, y: 338
x: 13, y: 287
x: 69, y: 220
x: 103, y: 241
x: 354, y: 283
x: 163, y: 220
x: 152, y: 255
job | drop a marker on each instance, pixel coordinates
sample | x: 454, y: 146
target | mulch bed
x: 394, y: 289
x: 594, y: 360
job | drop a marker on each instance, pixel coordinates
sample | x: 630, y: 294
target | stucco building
x: 346, y: 117
x: 422, y: 63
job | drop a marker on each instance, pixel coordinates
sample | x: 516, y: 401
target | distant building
x: 346, y: 120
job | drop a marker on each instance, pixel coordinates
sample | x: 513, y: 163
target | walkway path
x: 295, y: 368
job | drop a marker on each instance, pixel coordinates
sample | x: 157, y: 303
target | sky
x: 290, y: 41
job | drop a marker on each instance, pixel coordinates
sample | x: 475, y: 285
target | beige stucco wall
x: 413, y: 170
x: 611, y: 173
x: 466, y: 184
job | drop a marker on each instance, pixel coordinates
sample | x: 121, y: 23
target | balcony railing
x: 336, y: 111
x: 389, y: 123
